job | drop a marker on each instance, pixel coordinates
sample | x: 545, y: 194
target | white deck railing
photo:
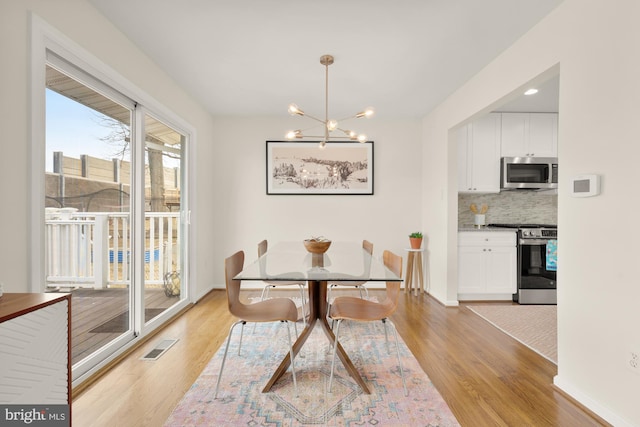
x: 93, y: 249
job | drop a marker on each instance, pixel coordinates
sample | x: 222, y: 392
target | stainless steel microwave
x: 533, y: 173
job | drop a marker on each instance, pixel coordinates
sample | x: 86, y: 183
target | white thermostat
x: 585, y: 185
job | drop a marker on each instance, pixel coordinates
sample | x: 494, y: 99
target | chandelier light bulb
x: 332, y: 125
x: 322, y: 145
x: 362, y: 137
x: 294, y: 134
x: 294, y: 110
x: 351, y: 134
x: 367, y: 113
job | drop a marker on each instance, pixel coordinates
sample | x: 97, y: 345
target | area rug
x: 535, y: 326
x: 241, y: 401
x: 120, y: 323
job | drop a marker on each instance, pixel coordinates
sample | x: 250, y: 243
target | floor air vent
x: 159, y: 349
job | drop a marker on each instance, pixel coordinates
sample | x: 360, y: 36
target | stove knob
x: 526, y: 233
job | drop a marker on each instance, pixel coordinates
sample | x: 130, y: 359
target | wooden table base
x: 317, y: 314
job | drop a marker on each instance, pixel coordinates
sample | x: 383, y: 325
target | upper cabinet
x: 479, y: 155
x: 529, y: 135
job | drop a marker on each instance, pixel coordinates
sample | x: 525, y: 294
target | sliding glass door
x: 88, y: 218
x: 114, y: 212
x: 162, y: 225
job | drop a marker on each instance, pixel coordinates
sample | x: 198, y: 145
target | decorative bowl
x: 316, y: 246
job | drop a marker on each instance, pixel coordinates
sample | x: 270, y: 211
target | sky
x: 75, y: 130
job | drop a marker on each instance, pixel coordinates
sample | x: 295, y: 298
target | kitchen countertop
x: 471, y: 227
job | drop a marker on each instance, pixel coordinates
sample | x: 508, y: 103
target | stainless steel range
x: 537, y: 266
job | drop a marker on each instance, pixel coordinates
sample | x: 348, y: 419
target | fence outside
x: 97, y: 185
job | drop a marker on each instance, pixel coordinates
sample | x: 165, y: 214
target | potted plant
x: 415, y: 239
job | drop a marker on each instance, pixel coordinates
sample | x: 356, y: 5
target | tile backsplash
x: 510, y: 207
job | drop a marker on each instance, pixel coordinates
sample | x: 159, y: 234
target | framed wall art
x: 305, y: 168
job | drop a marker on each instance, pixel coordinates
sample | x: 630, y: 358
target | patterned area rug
x: 241, y: 402
x: 535, y: 326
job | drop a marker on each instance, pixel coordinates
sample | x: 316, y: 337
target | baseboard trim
x: 589, y: 405
x: 485, y: 297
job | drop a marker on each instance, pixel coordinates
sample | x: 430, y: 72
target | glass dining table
x: 343, y: 261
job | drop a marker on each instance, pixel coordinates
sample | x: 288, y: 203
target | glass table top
x: 343, y: 261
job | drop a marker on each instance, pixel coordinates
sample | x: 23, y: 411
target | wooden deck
x: 91, y: 308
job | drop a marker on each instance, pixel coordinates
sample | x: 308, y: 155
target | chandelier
x: 329, y: 125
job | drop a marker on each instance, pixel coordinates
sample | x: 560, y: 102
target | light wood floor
x: 486, y: 377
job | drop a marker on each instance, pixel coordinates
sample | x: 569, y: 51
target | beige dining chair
x: 358, y: 309
x: 272, y: 310
x: 367, y: 246
x: 262, y: 249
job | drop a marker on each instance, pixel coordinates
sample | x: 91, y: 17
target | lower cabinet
x: 487, y: 265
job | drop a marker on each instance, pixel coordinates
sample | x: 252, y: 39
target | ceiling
x: 545, y: 101
x: 254, y: 57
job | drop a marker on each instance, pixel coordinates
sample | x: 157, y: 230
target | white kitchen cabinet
x: 487, y: 266
x: 35, y: 349
x: 479, y: 155
x: 529, y: 135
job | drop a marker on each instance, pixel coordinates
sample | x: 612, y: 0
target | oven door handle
x: 532, y: 242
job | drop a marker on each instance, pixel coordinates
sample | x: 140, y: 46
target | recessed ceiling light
x: 531, y: 91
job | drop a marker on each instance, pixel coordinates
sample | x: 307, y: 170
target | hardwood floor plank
x: 486, y: 377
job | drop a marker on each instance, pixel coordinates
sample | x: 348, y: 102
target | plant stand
x: 414, y: 265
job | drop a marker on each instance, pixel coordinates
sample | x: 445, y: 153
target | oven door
x: 536, y: 273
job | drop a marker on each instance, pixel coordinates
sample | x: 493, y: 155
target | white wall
x: 244, y: 214
x: 596, y: 45
x: 80, y: 22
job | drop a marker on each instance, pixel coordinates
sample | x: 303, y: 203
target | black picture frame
x: 303, y: 168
